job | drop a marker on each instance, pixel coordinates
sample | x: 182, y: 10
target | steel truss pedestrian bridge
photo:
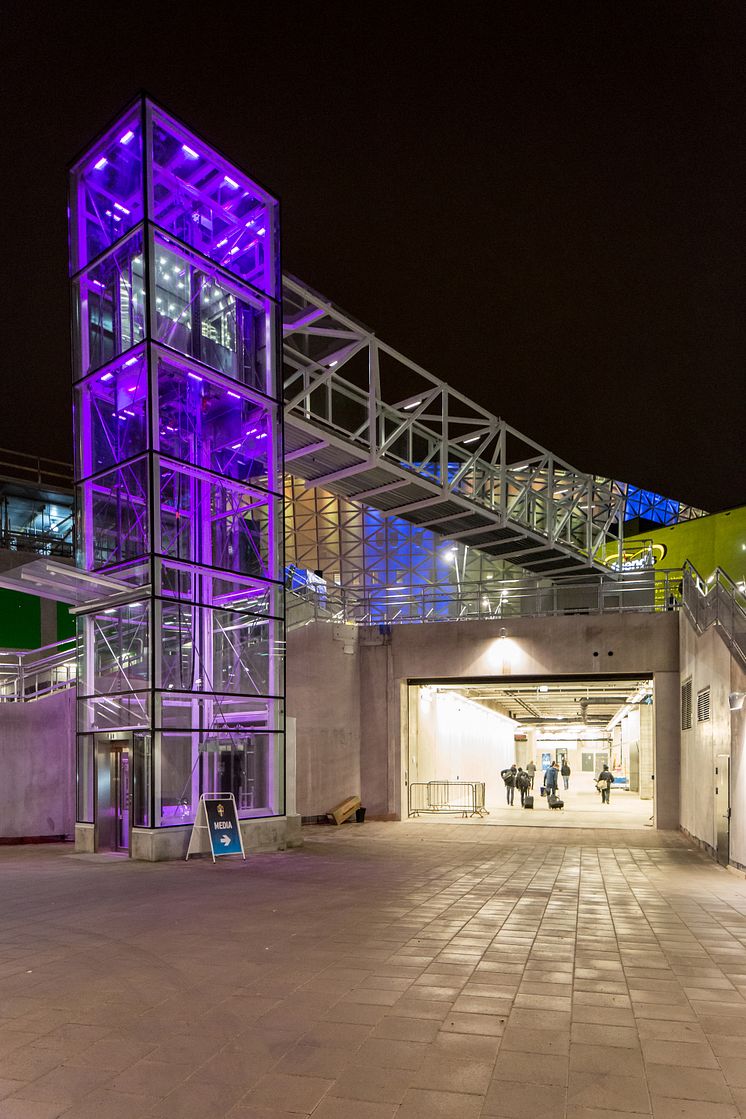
x: 365, y: 422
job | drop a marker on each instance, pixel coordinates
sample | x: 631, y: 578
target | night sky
x: 541, y: 204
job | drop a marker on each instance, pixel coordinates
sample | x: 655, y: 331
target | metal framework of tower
x: 176, y: 301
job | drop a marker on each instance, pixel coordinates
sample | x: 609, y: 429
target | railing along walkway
x: 32, y: 673
x: 648, y: 591
x: 717, y: 601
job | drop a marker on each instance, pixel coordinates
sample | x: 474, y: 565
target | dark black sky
x: 542, y: 204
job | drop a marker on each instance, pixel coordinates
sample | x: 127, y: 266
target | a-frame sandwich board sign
x: 217, y: 815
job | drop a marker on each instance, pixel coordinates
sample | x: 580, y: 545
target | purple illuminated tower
x: 176, y: 287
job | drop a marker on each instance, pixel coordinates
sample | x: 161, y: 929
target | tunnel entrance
x: 465, y: 735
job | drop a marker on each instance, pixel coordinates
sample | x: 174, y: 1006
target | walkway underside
x: 386, y: 971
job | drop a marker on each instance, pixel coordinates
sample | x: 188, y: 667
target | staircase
x: 717, y: 601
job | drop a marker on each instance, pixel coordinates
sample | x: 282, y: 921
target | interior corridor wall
x: 458, y: 740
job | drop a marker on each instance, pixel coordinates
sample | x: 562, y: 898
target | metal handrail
x: 23, y: 467
x: 719, y: 601
x: 28, y: 674
x: 716, y: 601
x: 650, y: 591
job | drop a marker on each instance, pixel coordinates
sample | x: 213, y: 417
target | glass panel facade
x: 115, y: 657
x: 114, y: 712
x: 244, y: 763
x: 214, y: 522
x: 106, y: 191
x: 178, y: 471
x: 212, y: 206
x: 209, y: 424
x: 109, y: 306
x: 113, y: 516
x: 202, y: 312
x: 111, y: 415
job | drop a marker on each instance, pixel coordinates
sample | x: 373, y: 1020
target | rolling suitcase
x: 528, y: 802
x: 555, y: 802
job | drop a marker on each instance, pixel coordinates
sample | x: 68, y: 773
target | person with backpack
x: 565, y: 771
x: 603, y: 784
x: 551, y: 778
x: 509, y: 776
x: 523, y: 784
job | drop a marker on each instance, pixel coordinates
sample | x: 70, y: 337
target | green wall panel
x: 20, y: 620
x: 708, y: 542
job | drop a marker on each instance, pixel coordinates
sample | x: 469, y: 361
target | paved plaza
x: 582, y: 809
x: 408, y: 970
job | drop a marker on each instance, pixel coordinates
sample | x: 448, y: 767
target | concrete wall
x: 37, y: 767
x: 458, y: 740
x: 705, y: 660
x: 338, y: 741
x: 738, y: 770
x: 323, y: 696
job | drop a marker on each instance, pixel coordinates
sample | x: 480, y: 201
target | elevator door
x: 114, y: 793
x: 121, y: 797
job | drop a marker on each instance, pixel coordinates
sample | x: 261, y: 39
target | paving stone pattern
x: 384, y: 970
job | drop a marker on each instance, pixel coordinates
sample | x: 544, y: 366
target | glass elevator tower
x: 174, y: 258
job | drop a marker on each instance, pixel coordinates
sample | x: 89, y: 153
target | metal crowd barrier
x: 465, y: 797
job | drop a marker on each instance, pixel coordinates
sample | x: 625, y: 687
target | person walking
x: 551, y: 778
x: 565, y: 771
x: 603, y: 784
x: 522, y: 783
x: 509, y: 776
x: 531, y: 771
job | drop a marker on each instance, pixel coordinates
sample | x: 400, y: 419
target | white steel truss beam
x: 311, y: 449
x: 338, y: 475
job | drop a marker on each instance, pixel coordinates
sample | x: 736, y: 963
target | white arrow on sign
x: 225, y: 840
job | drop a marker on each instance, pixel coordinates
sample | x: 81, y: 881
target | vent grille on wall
x: 686, y: 705
x: 703, y: 705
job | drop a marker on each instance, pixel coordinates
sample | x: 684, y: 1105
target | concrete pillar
x: 667, y: 750
x: 290, y: 768
x: 647, y: 751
